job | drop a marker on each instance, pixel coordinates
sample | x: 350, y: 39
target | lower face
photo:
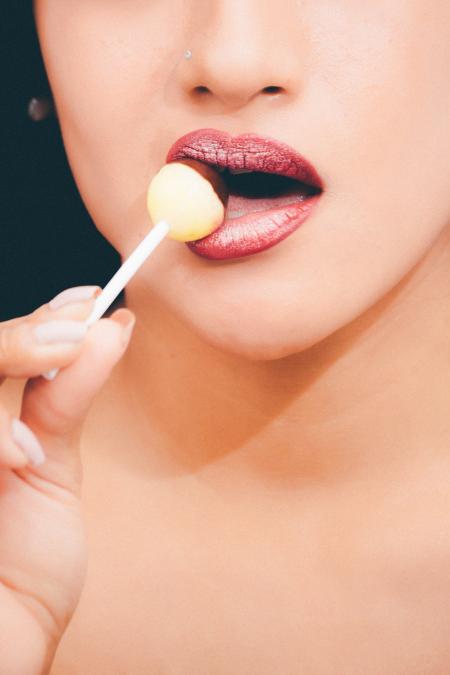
x: 361, y: 96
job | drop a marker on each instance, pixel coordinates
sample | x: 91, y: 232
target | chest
x: 179, y: 586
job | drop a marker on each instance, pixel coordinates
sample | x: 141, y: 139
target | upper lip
x: 247, y: 151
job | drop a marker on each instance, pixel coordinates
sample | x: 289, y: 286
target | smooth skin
x: 266, y: 470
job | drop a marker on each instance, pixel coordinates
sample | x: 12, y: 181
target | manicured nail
x: 60, y: 331
x: 75, y: 294
x: 51, y: 374
x: 27, y: 441
x: 127, y: 330
x: 127, y: 321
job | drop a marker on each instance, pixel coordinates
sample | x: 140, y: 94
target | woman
x: 266, y: 460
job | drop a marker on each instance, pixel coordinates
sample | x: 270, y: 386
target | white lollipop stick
x: 123, y: 275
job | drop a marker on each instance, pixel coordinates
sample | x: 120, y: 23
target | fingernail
x: 51, y: 374
x: 127, y: 321
x: 60, y: 331
x: 75, y: 294
x: 27, y: 441
x: 127, y: 330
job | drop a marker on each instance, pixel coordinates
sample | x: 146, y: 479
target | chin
x: 263, y: 351
x: 254, y: 338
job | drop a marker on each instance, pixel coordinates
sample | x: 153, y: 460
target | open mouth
x: 254, y: 191
x: 272, y: 190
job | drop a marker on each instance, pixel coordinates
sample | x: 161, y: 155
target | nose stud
x: 188, y: 54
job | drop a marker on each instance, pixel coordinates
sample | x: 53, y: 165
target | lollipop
x: 190, y: 197
x: 186, y: 201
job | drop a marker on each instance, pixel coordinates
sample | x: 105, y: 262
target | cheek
x: 108, y: 70
x: 380, y: 86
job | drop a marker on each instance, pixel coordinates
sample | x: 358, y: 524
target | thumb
x: 55, y: 410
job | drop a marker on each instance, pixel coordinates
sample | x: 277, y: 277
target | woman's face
x: 362, y: 93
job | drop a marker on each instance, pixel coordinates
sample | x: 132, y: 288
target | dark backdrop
x: 47, y: 239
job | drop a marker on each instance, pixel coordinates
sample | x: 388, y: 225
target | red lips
x: 253, y: 231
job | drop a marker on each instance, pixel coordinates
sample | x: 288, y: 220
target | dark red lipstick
x: 272, y: 190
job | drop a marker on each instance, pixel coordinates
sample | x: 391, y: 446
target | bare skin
x: 316, y: 557
x: 266, y: 469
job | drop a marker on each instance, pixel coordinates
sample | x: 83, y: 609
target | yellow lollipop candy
x: 190, y: 197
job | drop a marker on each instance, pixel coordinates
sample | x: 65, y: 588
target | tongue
x: 238, y: 205
x: 252, y: 192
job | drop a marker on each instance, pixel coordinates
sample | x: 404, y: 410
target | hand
x: 42, y: 537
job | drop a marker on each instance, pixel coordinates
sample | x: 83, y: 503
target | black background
x: 47, y: 239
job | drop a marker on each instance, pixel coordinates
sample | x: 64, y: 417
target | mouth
x: 272, y: 190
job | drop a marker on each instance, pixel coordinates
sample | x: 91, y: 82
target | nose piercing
x: 188, y: 54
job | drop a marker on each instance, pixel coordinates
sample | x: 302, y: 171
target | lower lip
x: 254, y: 232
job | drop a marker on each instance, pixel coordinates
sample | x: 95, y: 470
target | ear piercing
x: 39, y: 108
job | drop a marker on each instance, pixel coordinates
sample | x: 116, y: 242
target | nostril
x: 202, y: 90
x: 272, y: 90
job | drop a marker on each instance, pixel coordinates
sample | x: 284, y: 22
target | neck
x: 373, y: 393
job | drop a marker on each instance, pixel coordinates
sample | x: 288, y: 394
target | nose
x: 237, y: 55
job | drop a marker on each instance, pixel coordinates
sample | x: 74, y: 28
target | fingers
x: 56, y: 410
x: 47, y: 434
x: 18, y: 445
x: 55, y: 407
x: 50, y: 337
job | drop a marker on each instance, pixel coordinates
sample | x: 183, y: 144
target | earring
x: 39, y: 108
x: 188, y: 54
